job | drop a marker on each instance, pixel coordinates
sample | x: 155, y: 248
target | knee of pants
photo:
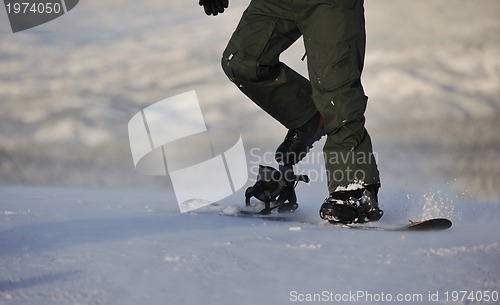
x: 240, y: 70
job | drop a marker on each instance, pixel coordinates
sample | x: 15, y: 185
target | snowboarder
x: 331, y: 103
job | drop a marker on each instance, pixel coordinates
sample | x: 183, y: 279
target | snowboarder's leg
x: 251, y: 61
x: 334, y: 35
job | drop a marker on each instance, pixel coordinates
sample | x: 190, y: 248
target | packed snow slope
x: 78, y: 224
x: 71, y: 246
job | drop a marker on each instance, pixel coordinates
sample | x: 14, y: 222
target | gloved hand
x: 214, y: 7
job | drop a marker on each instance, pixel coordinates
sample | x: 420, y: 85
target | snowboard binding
x: 276, y: 189
x: 353, y: 206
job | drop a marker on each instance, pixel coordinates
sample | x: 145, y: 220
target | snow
x: 78, y: 224
x: 84, y: 246
x: 356, y: 185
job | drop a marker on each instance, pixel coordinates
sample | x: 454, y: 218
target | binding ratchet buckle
x: 276, y: 188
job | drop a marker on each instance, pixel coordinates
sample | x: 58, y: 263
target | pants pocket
x: 337, y: 75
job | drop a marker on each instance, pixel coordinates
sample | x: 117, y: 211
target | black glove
x: 214, y: 7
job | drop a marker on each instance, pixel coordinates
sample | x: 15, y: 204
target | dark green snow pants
x: 334, y: 39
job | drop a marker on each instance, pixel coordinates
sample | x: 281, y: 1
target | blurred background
x: 69, y: 87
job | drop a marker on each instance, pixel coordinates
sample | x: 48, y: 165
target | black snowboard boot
x: 298, y: 142
x: 352, y: 206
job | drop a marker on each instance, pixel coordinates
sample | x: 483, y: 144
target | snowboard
x: 434, y: 224
x: 349, y: 213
